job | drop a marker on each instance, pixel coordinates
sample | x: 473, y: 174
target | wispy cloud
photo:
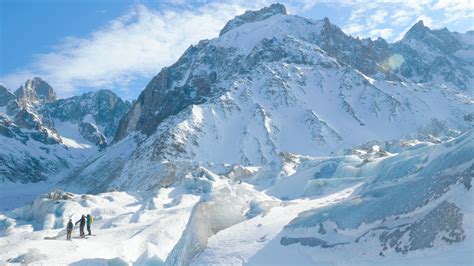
x: 390, y: 19
x: 384, y: 33
x: 401, y: 18
x: 137, y: 44
x: 142, y: 41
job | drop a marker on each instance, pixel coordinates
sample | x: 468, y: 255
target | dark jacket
x: 82, y: 221
x: 70, y: 225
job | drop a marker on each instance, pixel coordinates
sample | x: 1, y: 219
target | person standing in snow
x: 69, y: 229
x: 82, y: 223
x: 90, y: 220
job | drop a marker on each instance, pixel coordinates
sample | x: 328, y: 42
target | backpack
x: 90, y: 219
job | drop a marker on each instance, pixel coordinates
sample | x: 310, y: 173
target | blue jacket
x: 70, y: 225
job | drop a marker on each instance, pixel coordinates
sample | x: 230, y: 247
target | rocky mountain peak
x: 252, y: 16
x: 440, y: 40
x: 204, y: 71
x: 104, y: 106
x: 416, y: 30
x: 5, y: 96
x: 36, y: 90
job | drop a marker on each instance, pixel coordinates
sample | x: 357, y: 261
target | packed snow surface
x: 373, y: 206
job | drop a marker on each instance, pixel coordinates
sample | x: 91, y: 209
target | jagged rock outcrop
x: 91, y: 133
x: 52, y: 135
x: 5, y: 96
x: 252, y: 16
x: 427, y: 54
x: 103, y: 108
x: 35, y: 90
x: 27, y: 119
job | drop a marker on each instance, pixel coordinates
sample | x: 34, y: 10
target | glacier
x: 281, y: 141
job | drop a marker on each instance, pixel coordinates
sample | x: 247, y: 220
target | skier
x: 69, y: 229
x: 90, y: 220
x: 82, y: 222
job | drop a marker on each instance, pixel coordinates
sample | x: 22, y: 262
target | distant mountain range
x: 43, y: 136
x: 282, y: 140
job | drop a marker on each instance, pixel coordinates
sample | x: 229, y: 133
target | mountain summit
x: 274, y: 83
x: 36, y: 90
x: 253, y: 16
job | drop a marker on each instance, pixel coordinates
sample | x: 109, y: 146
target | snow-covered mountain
x: 274, y: 83
x: 42, y: 136
x: 281, y: 141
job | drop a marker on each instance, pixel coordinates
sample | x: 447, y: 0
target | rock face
x: 252, y: 16
x: 421, y: 56
x: 42, y: 136
x: 35, y: 90
x: 91, y: 133
x: 27, y: 119
x: 103, y: 108
x: 5, y: 96
x: 428, y: 54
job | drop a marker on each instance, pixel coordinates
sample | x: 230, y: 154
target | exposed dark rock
x: 252, y: 16
x: 5, y: 96
x: 91, y: 133
x: 35, y: 90
x: 27, y: 119
x: 105, y: 107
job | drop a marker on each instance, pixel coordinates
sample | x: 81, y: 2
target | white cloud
x: 142, y: 41
x: 378, y: 17
x: 401, y: 18
x: 137, y: 44
x: 398, y: 14
x: 427, y: 21
x: 454, y: 5
x: 353, y: 28
x: 384, y: 33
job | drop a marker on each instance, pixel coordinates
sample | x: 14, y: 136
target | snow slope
x: 369, y: 207
x: 271, y: 86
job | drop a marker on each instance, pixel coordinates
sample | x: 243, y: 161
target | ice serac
x: 438, y: 180
x: 252, y: 16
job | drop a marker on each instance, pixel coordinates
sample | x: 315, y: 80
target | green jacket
x: 90, y: 220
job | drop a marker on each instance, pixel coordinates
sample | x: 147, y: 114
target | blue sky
x: 84, y: 45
